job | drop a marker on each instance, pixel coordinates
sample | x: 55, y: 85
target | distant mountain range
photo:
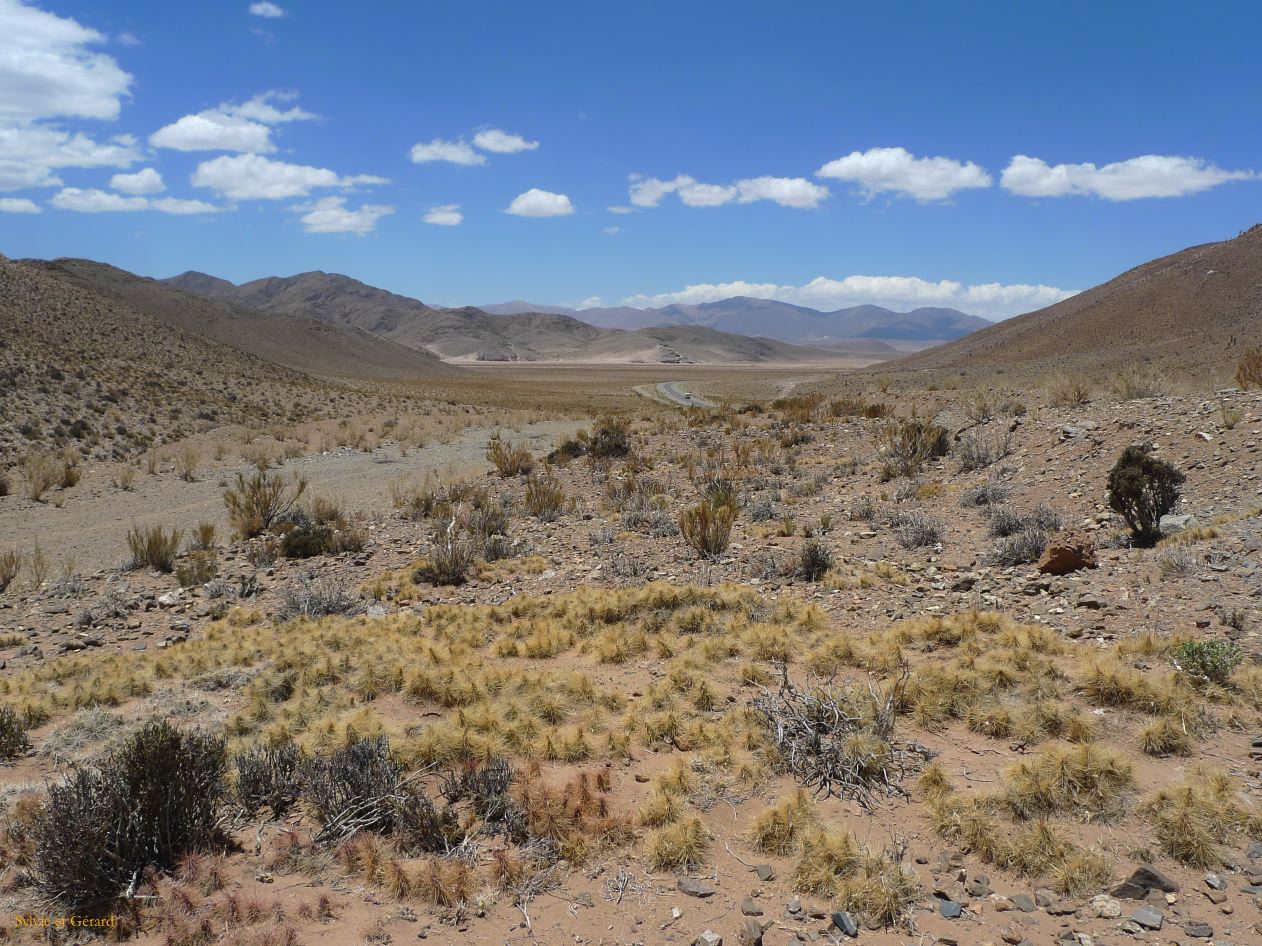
x: 744, y: 315
x: 470, y: 334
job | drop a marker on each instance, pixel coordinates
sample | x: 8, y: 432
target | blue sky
x: 987, y: 156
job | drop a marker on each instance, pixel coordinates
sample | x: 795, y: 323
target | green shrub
x: 1142, y: 489
x: 1208, y: 661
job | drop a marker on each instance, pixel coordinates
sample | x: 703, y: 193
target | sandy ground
x: 90, y: 529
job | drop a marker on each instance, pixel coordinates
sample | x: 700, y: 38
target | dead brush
x: 509, y: 459
x: 905, y: 446
x: 840, y: 741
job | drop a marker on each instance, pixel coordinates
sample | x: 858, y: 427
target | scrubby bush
x: 153, y: 547
x: 1142, y: 489
x: 1249, y: 370
x: 916, y: 530
x: 1070, y: 390
x: 814, y: 561
x: 1208, y: 661
x: 197, y: 569
x: 977, y: 450
x: 610, y: 440
x: 1019, y: 549
x: 509, y: 459
x: 989, y: 493
x: 544, y: 498
x: 1005, y: 522
x: 707, y: 527
x: 451, y: 558
x: 258, y: 502
x: 316, y: 599
x: 10, y: 565
x: 268, y: 777
x: 306, y: 541
x: 907, y: 445
x: 13, y: 741
x: 42, y: 471
x: 145, y: 804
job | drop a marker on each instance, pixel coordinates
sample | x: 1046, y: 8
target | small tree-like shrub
x: 268, y: 777
x: 610, y: 440
x: 145, y: 804
x: 1142, y: 489
x: 257, y: 502
x: 13, y: 741
x: 1208, y: 661
x: 10, y: 565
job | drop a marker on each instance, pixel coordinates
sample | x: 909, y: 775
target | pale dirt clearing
x: 89, y: 530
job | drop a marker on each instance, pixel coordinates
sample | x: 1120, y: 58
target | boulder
x: 1067, y: 552
x: 1172, y: 525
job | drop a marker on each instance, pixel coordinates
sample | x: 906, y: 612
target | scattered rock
x: 691, y: 887
x: 1198, y: 929
x: 1143, y: 879
x: 1172, y: 524
x: 1150, y: 918
x: 751, y: 907
x: 950, y: 909
x: 845, y: 923
x: 765, y: 872
x: 708, y: 938
x: 1067, y: 552
x: 1106, y: 907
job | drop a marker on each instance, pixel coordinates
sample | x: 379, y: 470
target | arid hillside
x: 1197, y: 308
x: 293, y: 340
x: 80, y: 370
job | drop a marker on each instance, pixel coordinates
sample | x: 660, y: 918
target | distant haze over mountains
x: 768, y: 318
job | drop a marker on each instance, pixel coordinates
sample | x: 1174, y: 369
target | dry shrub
x: 153, y: 547
x: 907, y: 445
x: 1192, y: 820
x: 42, y: 472
x: 145, y: 804
x: 707, y: 526
x: 1069, y: 390
x: 10, y: 565
x: 1091, y: 783
x: 681, y: 846
x: 544, y: 498
x: 1249, y: 370
x: 509, y: 459
x: 779, y: 830
x: 878, y: 888
x: 256, y: 503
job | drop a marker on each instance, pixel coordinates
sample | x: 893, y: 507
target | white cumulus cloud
x: 30, y: 154
x: 454, y: 152
x: 444, y: 215
x: 1150, y: 175
x: 254, y: 177
x: 244, y: 127
x: 786, y: 191
x: 267, y: 10
x: 991, y: 300
x: 48, y: 68
x: 898, y: 171
x: 18, y: 205
x: 144, y: 181
x: 540, y: 203
x: 91, y: 200
x: 501, y: 142
x: 331, y: 215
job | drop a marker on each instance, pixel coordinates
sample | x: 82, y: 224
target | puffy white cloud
x: 91, y: 200
x: 540, y: 203
x: 992, y: 300
x: 897, y: 170
x: 254, y: 177
x: 241, y: 127
x: 501, y: 142
x: 267, y: 10
x: 621, y: 210
x: 29, y: 154
x: 18, y: 205
x: 47, y: 68
x: 144, y: 181
x: 786, y: 191
x: 455, y: 152
x: 331, y: 215
x: 178, y: 205
x: 1150, y: 175
x: 444, y: 215
x: 591, y: 302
